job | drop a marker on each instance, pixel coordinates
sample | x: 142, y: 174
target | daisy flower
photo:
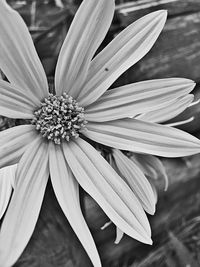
x: 53, y: 142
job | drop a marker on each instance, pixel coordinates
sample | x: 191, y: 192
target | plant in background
x: 55, y: 138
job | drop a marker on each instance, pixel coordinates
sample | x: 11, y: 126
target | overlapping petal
x: 21, y: 217
x: 124, y: 51
x: 66, y: 189
x: 137, y: 98
x: 151, y: 166
x: 171, y: 110
x: 154, y: 190
x: 139, y: 136
x: 98, y: 178
x: 18, y: 58
x: 7, y: 177
x: 135, y: 178
x: 86, y: 33
x: 15, y: 103
x: 13, y: 143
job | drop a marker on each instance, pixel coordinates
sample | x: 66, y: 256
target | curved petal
x: 151, y: 166
x: 124, y: 51
x: 154, y: 190
x: 143, y: 137
x: 86, y: 33
x: 177, y: 123
x: 119, y: 235
x: 135, y: 178
x: 18, y: 58
x: 7, y: 177
x: 114, y: 196
x: 119, y: 232
x: 136, y: 98
x: 29, y: 98
x: 171, y: 110
x: 23, y: 211
x: 13, y: 143
x: 66, y: 190
x: 14, y: 102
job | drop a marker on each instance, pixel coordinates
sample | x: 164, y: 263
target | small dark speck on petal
x: 106, y: 69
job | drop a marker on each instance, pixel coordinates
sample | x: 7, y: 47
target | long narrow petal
x: 14, y: 102
x: 115, y: 197
x: 137, y: 98
x: 13, y: 143
x: 154, y: 190
x: 143, y: 137
x: 135, y: 178
x: 66, y: 190
x: 119, y: 235
x: 119, y: 232
x: 7, y: 177
x: 29, y: 98
x: 86, y: 33
x: 124, y: 51
x: 168, y: 112
x: 151, y: 166
x: 23, y: 211
x: 18, y: 57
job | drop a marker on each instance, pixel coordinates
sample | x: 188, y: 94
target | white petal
x: 119, y: 235
x: 86, y: 33
x: 154, y: 190
x: 133, y: 99
x: 66, y: 190
x: 143, y: 137
x: 171, y: 110
x: 18, y: 58
x: 135, y: 178
x: 178, y: 123
x: 23, y: 211
x: 13, y: 143
x: 124, y: 51
x: 151, y: 166
x: 14, y: 102
x: 7, y: 177
x: 28, y: 97
x: 106, y: 225
x: 98, y: 178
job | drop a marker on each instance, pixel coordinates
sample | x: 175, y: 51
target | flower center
x: 59, y: 118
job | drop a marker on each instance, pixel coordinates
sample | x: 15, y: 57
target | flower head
x: 59, y: 118
x: 54, y: 142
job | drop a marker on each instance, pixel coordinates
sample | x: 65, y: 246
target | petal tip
x: 151, y: 209
x: 148, y: 241
x: 190, y: 83
x: 187, y: 81
x: 162, y: 13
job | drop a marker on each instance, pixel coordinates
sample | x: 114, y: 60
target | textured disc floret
x: 59, y: 118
